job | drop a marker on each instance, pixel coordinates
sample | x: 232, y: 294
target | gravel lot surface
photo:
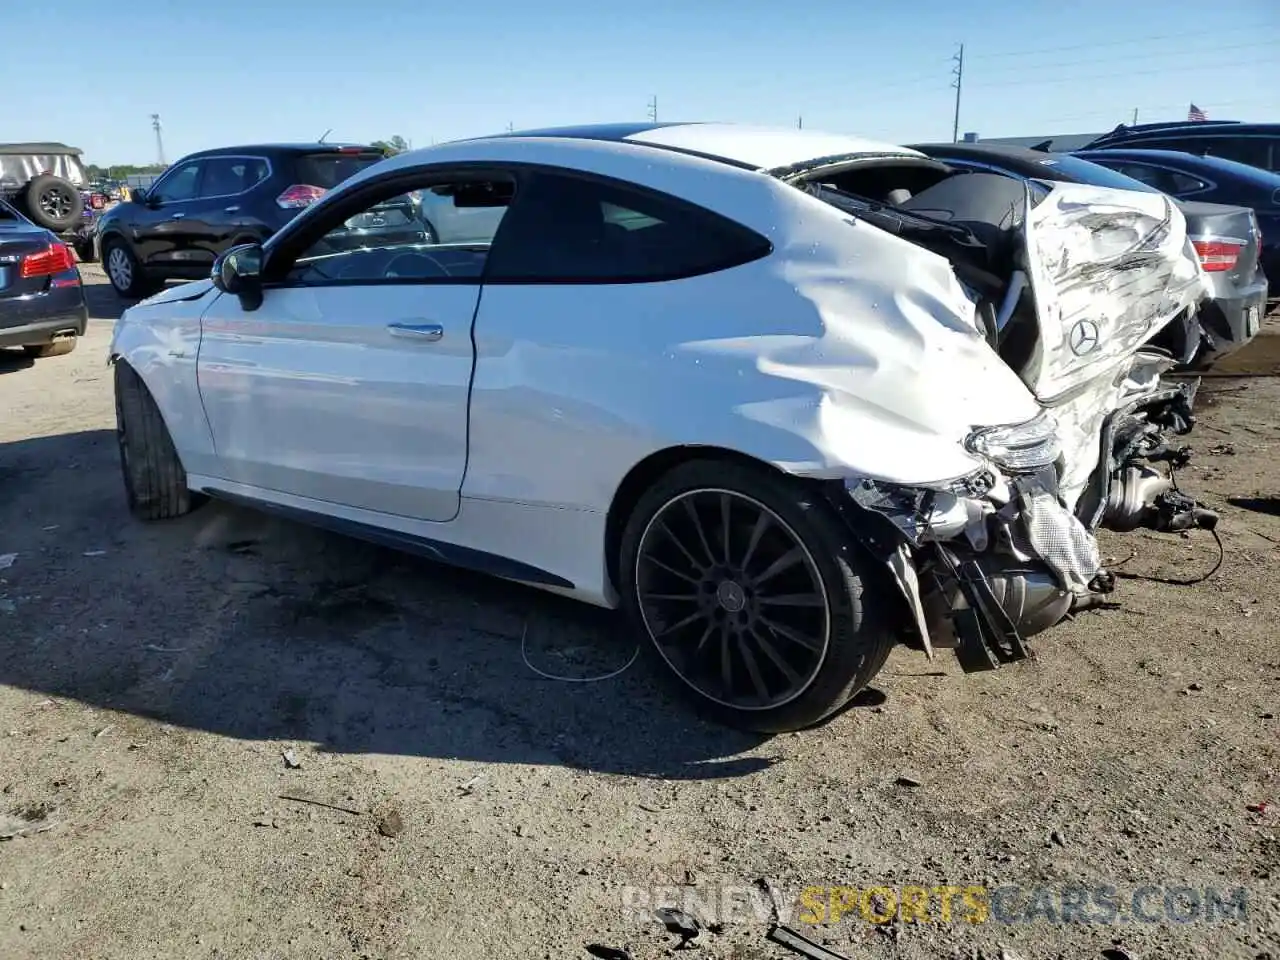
x: 162, y: 687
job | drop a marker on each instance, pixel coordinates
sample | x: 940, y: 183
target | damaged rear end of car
x: 1079, y: 291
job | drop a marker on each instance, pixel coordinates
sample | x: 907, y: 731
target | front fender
x: 160, y: 340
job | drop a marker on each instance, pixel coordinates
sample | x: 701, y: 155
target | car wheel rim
x: 55, y: 203
x: 732, y: 599
x: 120, y: 269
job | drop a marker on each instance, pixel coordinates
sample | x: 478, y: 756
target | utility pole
x: 155, y: 125
x: 800, y: 123
x: 1135, y: 116
x: 511, y: 127
x: 653, y: 108
x: 958, y: 72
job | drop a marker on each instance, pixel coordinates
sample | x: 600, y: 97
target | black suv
x: 1257, y: 144
x: 210, y: 201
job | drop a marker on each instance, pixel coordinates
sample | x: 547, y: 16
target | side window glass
x: 569, y: 229
x: 1182, y: 184
x: 226, y: 176
x: 179, y: 185
x: 1151, y: 176
x: 441, y: 232
x: 1180, y: 144
x: 1255, y: 151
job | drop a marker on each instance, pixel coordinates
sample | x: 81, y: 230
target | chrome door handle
x: 231, y: 209
x: 176, y: 216
x: 416, y: 331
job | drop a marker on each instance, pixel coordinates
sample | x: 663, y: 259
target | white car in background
x: 786, y: 398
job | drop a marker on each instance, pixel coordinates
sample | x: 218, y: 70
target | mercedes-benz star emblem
x: 1084, y: 337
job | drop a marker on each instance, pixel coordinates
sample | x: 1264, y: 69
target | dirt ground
x: 154, y: 677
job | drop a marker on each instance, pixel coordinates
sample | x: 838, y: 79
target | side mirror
x: 137, y: 195
x: 239, y: 271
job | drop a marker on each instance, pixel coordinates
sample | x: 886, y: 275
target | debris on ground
x: 7, y: 560
x: 469, y: 787
x: 609, y: 953
x: 390, y: 824
x: 786, y: 937
x: 678, y: 922
x: 34, y: 819
x: 95, y: 553
x: 291, y: 760
x: 320, y: 803
x: 906, y: 780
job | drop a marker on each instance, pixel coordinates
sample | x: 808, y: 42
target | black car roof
x: 1023, y: 160
x: 979, y: 150
x: 1141, y: 130
x: 1191, y: 162
x: 278, y: 148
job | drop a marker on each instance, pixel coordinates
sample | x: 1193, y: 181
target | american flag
x: 1195, y: 113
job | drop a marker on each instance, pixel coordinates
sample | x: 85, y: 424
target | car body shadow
x: 101, y: 298
x: 13, y: 359
x: 238, y: 624
x: 1268, y: 505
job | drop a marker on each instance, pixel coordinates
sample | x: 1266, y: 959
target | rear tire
x: 155, y: 483
x: 84, y: 251
x: 57, y: 348
x: 780, y: 598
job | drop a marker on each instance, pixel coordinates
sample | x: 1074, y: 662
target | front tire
x: 155, y: 483
x: 750, y: 591
x: 125, y: 272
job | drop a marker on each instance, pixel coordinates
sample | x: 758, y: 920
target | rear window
x: 327, y: 170
x: 1096, y: 175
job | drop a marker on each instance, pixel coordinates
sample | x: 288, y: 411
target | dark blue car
x: 42, y: 305
x: 1211, y: 179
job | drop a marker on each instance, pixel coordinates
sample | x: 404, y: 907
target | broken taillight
x: 57, y: 259
x: 1218, y: 254
x: 299, y: 195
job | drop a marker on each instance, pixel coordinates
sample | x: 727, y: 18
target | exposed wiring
x: 1191, y: 581
x: 524, y: 636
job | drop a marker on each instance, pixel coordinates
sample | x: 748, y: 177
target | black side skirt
x: 437, y: 550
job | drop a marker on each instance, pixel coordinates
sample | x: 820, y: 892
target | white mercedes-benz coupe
x: 785, y: 398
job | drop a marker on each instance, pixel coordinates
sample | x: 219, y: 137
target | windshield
x: 1083, y: 171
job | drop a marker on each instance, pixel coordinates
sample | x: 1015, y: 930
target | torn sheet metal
x: 1109, y: 269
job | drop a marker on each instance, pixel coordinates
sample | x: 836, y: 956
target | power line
x: 1161, y: 55
x: 1116, y: 43
x: 1179, y: 68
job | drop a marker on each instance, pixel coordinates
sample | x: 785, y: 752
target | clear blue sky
x: 240, y: 71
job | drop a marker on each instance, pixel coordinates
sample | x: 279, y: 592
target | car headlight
x: 1020, y: 447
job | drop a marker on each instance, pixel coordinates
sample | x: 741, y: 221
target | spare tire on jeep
x: 52, y: 202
